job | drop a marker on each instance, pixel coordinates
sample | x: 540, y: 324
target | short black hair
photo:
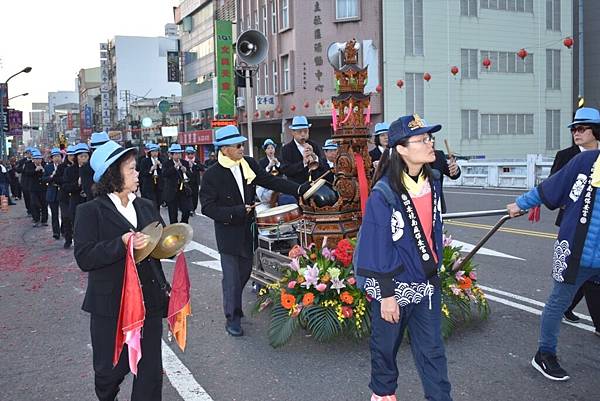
x: 112, y: 180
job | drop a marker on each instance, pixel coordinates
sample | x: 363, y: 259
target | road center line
x: 181, y: 378
x: 480, y: 193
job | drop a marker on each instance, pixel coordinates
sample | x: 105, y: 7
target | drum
x: 279, y: 215
x: 322, y: 193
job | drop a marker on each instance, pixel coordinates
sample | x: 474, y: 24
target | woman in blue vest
x: 397, y: 259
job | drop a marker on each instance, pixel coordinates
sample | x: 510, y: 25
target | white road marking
x: 466, y: 247
x: 181, y: 378
x: 481, y: 193
x: 211, y: 264
x: 204, y: 249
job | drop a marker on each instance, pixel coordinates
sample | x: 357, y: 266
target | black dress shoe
x: 571, y: 317
x: 67, y: 244
x: 45, y: 224
x: 56, y: 236
x: 235, y: 331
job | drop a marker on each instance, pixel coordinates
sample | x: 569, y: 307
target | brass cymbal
x: 174, y: 238
x: 153, y: 230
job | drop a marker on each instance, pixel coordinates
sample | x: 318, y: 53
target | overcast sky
x: 57, y: 38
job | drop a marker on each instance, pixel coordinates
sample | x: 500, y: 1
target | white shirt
x: 581, y: 148
x: 301, y: 149
x: 331, y: 164
x: 4, y: 170
x: 237, y: 174
x: 127, y: 211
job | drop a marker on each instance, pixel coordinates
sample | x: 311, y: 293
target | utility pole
x: 580, y: 44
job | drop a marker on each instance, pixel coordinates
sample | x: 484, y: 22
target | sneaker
x: 571, y: 317
x: 547, y: 364
x: 36, y: 224
x: 375, y: 397
x: 234, y: 330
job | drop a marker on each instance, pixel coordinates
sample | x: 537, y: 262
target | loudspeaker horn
x: 252, y: 47
x: 335, y: 54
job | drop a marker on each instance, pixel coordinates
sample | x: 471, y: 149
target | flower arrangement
x: 317, y: 292
x: 462, y: 299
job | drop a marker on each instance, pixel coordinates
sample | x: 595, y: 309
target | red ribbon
x: 534, y: 214
x: 363, y: 184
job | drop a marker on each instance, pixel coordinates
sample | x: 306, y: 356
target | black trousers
x: 27, y: 199
x: 592, y: 298
x: 181, y: 202
x: 195, y: 193
x: 236, y: 273
x: 54, y: 209
x: 15, y: 189
x: 147, y: 385
x: 66, y: 225
x: 38, y: 206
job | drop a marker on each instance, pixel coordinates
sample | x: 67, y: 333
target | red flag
x: 363, y: 184
x: 179, y: 304
x: 131, y: 313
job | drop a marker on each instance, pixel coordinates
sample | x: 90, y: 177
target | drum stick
x: 322, y: 176
x: 450, y: 154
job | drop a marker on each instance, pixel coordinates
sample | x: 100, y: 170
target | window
x: 468, y: 8
x: 285, y: 71
x: 263, y: 13
x: 468, y: 58
x: 413, y: 27
x: 553, y: 128
x: 552, y: 69
x: 266, y: 78
x: 274, y: 77
x: 345, y: 9
x: 258, y: 92
x: 508, y: 62
x: 274, y: 17
x: 469, y: 124
x: 285, y: 14
x: 255, y: 14
x: 248, y: 21
x: 506, y: 124
x: 521, y: 6
x: 553, y: 15
x: 415, y: 94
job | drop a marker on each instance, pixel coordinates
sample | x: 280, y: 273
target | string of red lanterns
x: 454, y: 70
x: 427, y: 76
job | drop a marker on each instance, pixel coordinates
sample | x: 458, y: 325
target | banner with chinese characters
x: 265, y: 103
x: 225, y: 100
x: 172, y: 66
x: 15, y: 122
x: 104, y: 87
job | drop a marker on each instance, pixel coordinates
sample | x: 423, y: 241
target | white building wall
x: 60, y: 98
x: 445, y: 33
x: 141, y: 68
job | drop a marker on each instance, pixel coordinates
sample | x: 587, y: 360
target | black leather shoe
x: 571, y: 317
x: 56, y: 236
x: 67, y: 244
x: 235, y: 331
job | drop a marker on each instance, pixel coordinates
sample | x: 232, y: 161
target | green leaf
x: 282, y: 326
x: 322, y: 322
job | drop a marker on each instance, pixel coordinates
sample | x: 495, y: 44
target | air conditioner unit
x: 240, y: 102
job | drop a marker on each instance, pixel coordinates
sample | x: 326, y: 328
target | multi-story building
x: 148, y: 110
x: 63, y: 116
x: 88, y: 82
x: 138, y: 68
x: 460, y: 63
x: 591, y: 52
x: 296, y: 73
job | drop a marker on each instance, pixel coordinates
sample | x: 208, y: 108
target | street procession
x: 300, y: 200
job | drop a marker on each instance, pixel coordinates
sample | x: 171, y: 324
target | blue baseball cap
x: 55, y: 152
x: 381, y: 128
x: 330, y: 144
x: 300, y: 122
x: 229, y: 135
x: 104, y: 156
x: 98, y: 139
x: 175, y: 148
x: 585, y: 115
x: 407, y: 126
x: 268, y: 142
x: 81, y: 148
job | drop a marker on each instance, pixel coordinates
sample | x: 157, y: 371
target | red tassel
x: 534, y: 214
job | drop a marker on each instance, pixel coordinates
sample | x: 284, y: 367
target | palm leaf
x: 282, y: 326
x: 322, y: 322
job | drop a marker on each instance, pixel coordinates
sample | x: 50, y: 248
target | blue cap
x: 36, y: 154
x: 28, y: 149
x: 55, y: 152
x: 152, y: 147
x: 268, y: 142
x: 104, y: 156
x: 228, y: 135
x: 300, y: 122
x: 190, y: 149
x: 148, y: 145
x: 175, y: 148
x: 81, y: 148
x: 381, y: 128
x: 407, y: 126
x: 330, y: 144
x: 71, y: 150
x: 585, y: 115
x: 98, y: 138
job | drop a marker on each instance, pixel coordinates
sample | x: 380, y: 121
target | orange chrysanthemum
x: 346, y: 297
x: 287, y: 300
x: 465, y: 283
x: 308, y: 299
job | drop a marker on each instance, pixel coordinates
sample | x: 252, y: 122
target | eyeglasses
x: 424, y: 141
x: 237, y: 145
x: 580, y: 129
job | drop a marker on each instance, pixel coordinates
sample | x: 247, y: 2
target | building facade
x: 88, y: 82
x: 459, y: 63
x: 296, y: 73
x: 591, y: 52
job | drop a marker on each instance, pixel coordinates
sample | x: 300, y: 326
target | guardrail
x: 522, y: 174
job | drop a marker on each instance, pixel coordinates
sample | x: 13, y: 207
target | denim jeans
x: 559, y: 300
x: 4, y: 189
x: 424, y: 328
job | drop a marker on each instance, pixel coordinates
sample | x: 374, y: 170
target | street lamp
x: 22, y: 94
x: 26, y: 70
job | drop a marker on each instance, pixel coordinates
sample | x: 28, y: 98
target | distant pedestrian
x: 37, y: 189
x: 52, y: 180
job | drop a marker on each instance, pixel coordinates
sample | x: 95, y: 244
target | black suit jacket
x: 34, y: 177
x: 172, y: 179
x: 100, y: 251
x: 441, y: 164
x: 563, y: 157
x: 292, y: 162
x: 146, y: 178
x: 221, y: 201
x: 375, y: 154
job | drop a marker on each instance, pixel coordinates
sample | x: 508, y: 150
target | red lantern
x: 293, y: 107
x: 256, y: 114
x: 454, y: 70
x: 379, y: 89
x: 267, y: 114
x: 522, y: 53
x: 321, y: 102
x: 400, y: 83
x: 245, y: 115
x: 306, y: 104
x: 568, y: 42
x: 486, y: 62
x: 278, y: 110
x: 427, y: 76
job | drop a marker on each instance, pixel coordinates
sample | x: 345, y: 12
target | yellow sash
x: 413, y: 187
x: 226, y: 162
x: 596, y: 173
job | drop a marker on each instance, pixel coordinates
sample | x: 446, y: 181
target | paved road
x: 44, y: 336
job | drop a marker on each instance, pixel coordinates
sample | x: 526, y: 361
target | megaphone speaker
x: 252, y: 47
